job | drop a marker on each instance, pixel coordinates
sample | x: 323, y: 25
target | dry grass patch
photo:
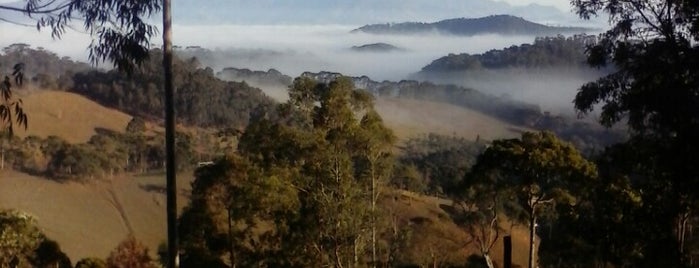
x: 410, y: 118
x: 69, y: 116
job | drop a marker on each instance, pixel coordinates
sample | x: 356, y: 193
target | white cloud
x: 563, y: 5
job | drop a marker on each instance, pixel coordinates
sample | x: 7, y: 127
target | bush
x: 91, y: 263
x: 130, y: 253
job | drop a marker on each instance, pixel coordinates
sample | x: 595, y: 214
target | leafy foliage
x: 440, y: 161
x: 539, y: 170
x: 130, y: 253
x: 49, y: 254
x: 22, y: 244
x: 107, y: 153
x: 545, y: 52
x: 302, y: 191
x: 201, y: 98
x: 91, y: 263
x: 11, y: 111
x: 655, y: 90
x: 123, y: 34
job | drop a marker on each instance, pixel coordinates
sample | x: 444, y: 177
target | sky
x: 563, y: 5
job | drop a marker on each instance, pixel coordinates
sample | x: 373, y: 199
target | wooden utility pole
x: 170, y: 176
x: 507, y: 258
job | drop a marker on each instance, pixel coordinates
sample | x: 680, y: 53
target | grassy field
x: 409, y: 118
x: 68, y: 115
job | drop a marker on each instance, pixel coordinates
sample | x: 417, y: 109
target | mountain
x: 355, y: 12
x: 376, y: 47
x: 496, y: 24
x: 545, y: 52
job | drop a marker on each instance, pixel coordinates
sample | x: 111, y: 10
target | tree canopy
x: 655, y: 90
x: 122, y: 28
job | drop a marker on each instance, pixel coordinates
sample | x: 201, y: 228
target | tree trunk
x: 373, y: 216
x: 507, y: 252
x: 532, y: 238
x: 231, y: 254
x: 170, y: 175
x: 488, y: 260
x: 338, y: 260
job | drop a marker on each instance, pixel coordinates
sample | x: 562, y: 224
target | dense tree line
x: 106, y: 154
x: 435, y: 164
x: 302, y: 191
x: 201, y: 99
x: 48, y: 70
x: 545, y: 52
x: 588, y: 137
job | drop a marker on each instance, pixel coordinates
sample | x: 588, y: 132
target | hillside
x: 68, y: 115
x: 89, y: 220
x: 409, y: 118
x: 495, y: 24
x: 545, y: 52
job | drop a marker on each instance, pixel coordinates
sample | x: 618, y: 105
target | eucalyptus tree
x: 539, y: 170
x: 652, y: 45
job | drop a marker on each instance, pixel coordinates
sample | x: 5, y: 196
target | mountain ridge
x: 493, y: 24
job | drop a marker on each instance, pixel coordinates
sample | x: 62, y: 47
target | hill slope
x: 89, y: 220
x: 68, y: 115
x: 409, y: 118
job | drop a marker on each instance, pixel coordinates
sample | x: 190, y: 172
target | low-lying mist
x: 552, y: 89
x: 294, y: 49
x: 291, y: 49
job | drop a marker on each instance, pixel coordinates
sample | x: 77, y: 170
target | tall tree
x: 541, y: 171
x: 376, y: 164
x: 655, y: 88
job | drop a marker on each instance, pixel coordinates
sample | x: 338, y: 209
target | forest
x: 546, y: 52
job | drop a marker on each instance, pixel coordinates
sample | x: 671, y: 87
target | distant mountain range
x: 495, y: 24
x: 358, y: 12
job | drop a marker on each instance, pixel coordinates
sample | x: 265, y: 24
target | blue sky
x: 563, y: 5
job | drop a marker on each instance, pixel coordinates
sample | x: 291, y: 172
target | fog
x: 327, y: 48
x: 295, y: 49
x: 552, y: 89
